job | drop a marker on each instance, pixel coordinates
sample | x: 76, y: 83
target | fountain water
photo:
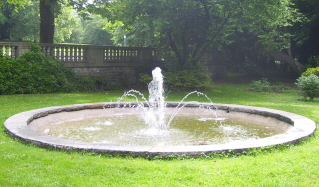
x: 154, y: 112
x: 155, y: 117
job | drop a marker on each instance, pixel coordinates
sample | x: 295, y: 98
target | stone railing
x: 87, y: 55
x: 13, y: 49
x: 110, y: 60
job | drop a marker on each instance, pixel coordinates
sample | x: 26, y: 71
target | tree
x: 66, y: 23
x: 19, y: 22
x: 306, y: 42
x: 26, y: 23
x: 95, y: 33
x: 186, y: 29
x: 5, y: 17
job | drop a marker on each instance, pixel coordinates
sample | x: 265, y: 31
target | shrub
x: 41, y: 74
x: 310, y: 71
x: 33, y: 72
x: 188, y: 80
x: 182, y: 80
x: 309, y: 85
x: 261, y: 86
x: 8, y: 73
x: 144, y: 78
x: 264, y: 86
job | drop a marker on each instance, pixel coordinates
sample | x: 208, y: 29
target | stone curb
x: 17, y: 126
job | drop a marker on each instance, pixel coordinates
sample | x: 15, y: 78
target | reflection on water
x: 184, y: 130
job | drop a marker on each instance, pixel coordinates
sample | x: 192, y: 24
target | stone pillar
x: 94, y: 54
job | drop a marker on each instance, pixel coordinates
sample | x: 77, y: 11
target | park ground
x: 292, y: 165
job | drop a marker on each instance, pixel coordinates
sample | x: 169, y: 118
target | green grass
x: 28, y: 165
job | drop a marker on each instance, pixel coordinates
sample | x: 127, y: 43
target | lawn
x: 28, y: 165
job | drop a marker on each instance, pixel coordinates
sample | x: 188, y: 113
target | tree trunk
x: 47, y: 21
x: 288, y: 59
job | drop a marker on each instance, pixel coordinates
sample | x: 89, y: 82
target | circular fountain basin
x: 32, y: 126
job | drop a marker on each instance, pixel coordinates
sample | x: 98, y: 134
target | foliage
x: 95, y: 32
x: 145, y: 78
x: 31, y: 73
x: 66, y: 25
x: 260, y: 86
x: 309, y: 85
x: 35, y: 73
x: 88, y: 83
x: 264, y: 86
x: 309, y: 71
x: 187, y: 80
x: 276, y: 33
x: 182, y: 80
x: 25, y: 23
x: 186, y: 29
x: 306, y: 38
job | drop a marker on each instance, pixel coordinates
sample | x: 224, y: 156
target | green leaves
x: 31, y: 73
x: 187, y: 80
x: 309, y: 85
x: 187, y: 28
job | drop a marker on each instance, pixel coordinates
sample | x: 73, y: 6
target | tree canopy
x: 186, y: 29
x: 183, y: 29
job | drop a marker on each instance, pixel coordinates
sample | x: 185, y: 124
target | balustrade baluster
x: 48, y: 52
x: 75, y: 51
x: 106, y: 54
x: 71, y: 54
x: 84, y: 53
x: 43, y: 50
x: 62, y: 54
x: 75, y: 54
x: 57, y: 53
x: 121, y: 54
x: 136, y: 55
x: 112, y: 54
x: 13, y: 52
x: 80, y: 58
x: 66, y: 54
x: 7, y: 51
x: 125, y: 54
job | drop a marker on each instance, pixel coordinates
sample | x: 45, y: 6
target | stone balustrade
x: 87, y: 55
x: 116, y: 63
x: 110, y: 60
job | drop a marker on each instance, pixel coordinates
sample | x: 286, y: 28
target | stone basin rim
x: 17, y: 126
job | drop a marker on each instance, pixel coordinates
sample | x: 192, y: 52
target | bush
x: 264, y: 86
x: 310, y: 71
x: 188, y: 80
x: 33, y: 72
x: 41, y: 74
x: 182, y: 80
x: 144, y: 78
x: 8, y: 74
x: 309, y: 85
x: 261, y: 86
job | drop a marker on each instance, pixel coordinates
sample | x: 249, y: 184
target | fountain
x: 155, y: 127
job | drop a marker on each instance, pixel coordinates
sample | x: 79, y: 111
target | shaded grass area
x: 28, y: 165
